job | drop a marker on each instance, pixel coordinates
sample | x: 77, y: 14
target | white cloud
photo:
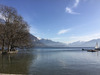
x: 63, y: 31
x: 76, y: 3
x: 69, y: 10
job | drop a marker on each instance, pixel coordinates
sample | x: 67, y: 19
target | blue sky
x: 60, y: 20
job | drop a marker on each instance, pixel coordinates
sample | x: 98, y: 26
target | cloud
x: 70, y: 9
x: 63, y: 31
x: 76, y: 3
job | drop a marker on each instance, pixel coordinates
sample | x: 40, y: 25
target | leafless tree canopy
x: 14, y: 31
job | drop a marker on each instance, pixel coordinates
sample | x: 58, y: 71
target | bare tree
x: 13, y: 29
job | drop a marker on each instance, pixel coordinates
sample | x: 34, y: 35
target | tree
x: 2, y: 35
x: 14, y: 29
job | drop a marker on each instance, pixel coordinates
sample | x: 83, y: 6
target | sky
x: 60, y: 20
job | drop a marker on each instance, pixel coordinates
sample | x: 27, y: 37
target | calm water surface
x: 51, y: 61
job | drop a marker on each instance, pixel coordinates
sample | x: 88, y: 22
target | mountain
x: 45, y: 42
x: 76, y: 44
x: 90, y: 43
x: 51, y: 43
x: 36, y: 42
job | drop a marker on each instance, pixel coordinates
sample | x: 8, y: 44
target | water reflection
x: 16, y: 63
x: 46, y: 62
x: 66, y: 63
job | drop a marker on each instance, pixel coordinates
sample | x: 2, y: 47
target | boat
x: 97, y: 46
x: 92, y: 50
x: 82, y: 49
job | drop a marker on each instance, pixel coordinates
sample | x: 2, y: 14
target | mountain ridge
x: 45, y: 42
x: 90, y: 43
x: 49, y: 43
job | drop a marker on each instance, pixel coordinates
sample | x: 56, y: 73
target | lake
x: 51, y: 61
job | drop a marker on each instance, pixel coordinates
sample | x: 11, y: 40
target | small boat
x: 92, y: 50
x: 97, y: 46
x: 82, y: 49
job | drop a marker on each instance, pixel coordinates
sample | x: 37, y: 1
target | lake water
x: 51, y: 61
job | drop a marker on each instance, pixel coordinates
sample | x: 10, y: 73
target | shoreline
x: 10, y: 74
x: 11, y: 52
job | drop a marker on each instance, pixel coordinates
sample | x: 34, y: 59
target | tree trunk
x: 8, y: 48
x: 3, y: 45
x: 12, y: 46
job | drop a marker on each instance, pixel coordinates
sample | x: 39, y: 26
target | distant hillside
x: 36, y: 42
x: 51, y: 43
x: 90, y: 43
x: 45, y: 42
